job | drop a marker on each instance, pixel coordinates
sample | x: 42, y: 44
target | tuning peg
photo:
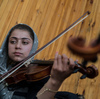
x: 83, y: 76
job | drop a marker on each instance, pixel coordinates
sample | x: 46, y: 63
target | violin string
x: 32, y: 56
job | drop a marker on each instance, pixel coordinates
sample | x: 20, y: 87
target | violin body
x: 35, y: 71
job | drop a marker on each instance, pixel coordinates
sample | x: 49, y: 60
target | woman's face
x: 19, y: 45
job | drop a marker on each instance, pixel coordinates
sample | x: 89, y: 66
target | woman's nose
x: 18, y: 45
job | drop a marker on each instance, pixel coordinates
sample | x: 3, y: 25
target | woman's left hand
x: 62, y: 68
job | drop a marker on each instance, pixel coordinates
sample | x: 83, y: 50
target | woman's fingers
x: 62, y: 67
x: 56, y: 59
x: 61, y: 62
x: 72, y: 64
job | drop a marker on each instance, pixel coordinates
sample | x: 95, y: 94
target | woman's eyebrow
x: 24, y: 38
x: 14, y: 37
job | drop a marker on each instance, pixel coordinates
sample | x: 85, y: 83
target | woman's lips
x: 17, y: 53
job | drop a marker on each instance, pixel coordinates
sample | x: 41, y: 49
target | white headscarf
x: 4, y: 50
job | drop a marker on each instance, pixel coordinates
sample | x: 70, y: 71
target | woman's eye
x: 25, y: 43
x: 12, y: 42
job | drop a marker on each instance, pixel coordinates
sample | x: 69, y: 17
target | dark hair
x: 23, y: 27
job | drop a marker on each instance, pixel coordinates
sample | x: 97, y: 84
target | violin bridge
x: 26, y: 64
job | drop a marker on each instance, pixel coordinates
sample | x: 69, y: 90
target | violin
x: 40, y: 69
x: 30, y: 70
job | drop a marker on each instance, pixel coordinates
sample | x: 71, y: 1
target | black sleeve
x: 35, y: 98
x: 68, y: 95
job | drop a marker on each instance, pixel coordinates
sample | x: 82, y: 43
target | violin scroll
x: 90, y: 71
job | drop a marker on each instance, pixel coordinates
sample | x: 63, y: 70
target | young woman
x: 20, y: 42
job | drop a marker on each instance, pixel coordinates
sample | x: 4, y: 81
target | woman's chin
x: 17, y: 59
